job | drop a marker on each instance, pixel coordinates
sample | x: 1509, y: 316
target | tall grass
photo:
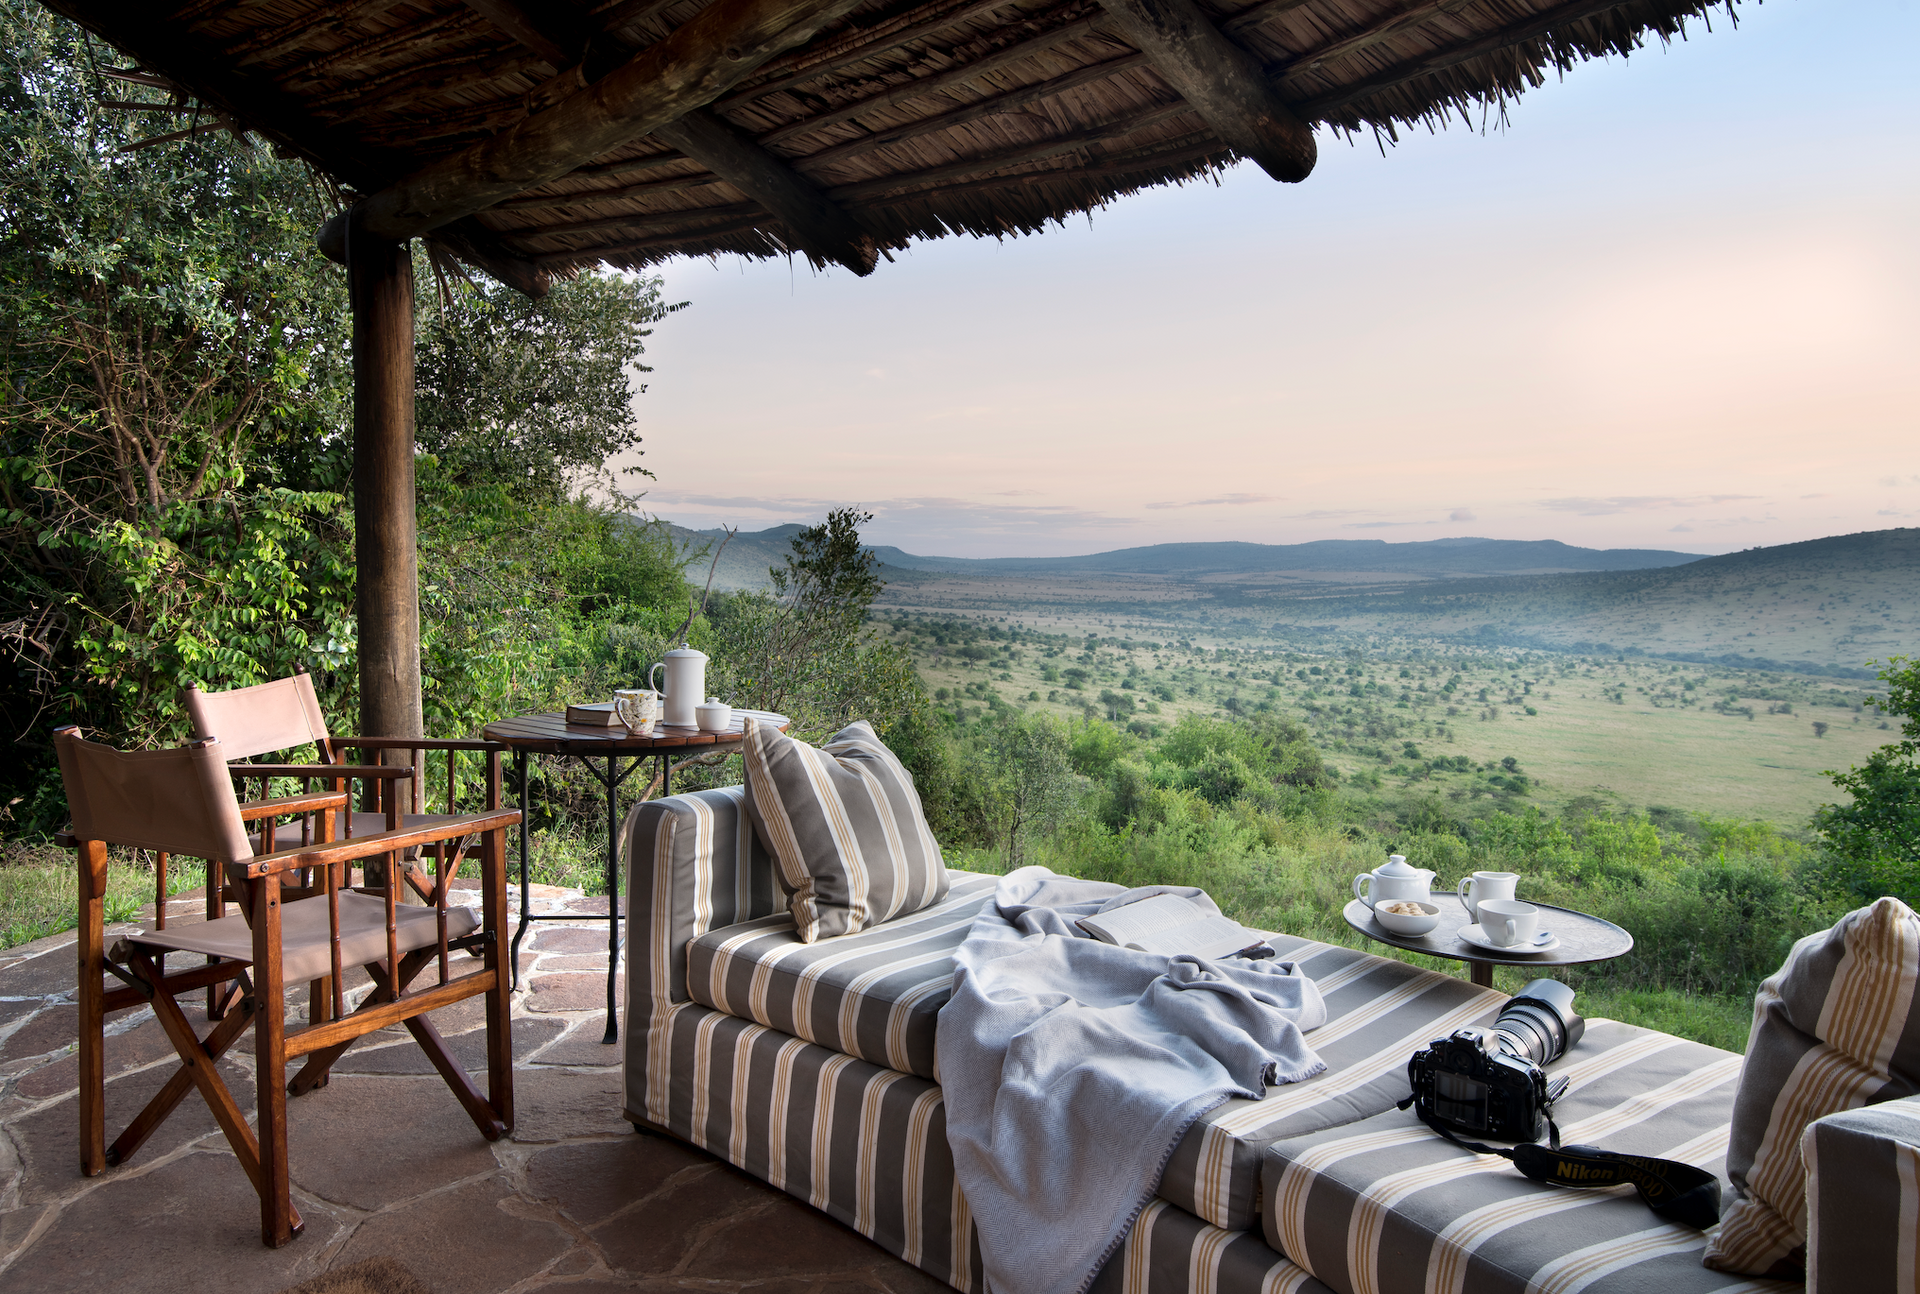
x: 40, y: 888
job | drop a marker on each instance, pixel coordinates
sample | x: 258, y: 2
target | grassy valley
x: 1629, y: 732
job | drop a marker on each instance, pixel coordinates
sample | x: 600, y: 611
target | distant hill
x: 746, y: 559
x: 1823, y: 606
x: 1435, y: 558
x: 1828, y: 604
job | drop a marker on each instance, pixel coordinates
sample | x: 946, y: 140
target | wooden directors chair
x: 283, y: 716
x: 182, y: 802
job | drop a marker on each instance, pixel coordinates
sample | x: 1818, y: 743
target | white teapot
x: 1394, y: 879
x: 685, y: 686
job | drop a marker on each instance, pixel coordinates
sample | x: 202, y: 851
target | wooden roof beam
x: 551, y: 32
x: 822, y: 227
x: 695, y: 65
x: 1222, y: 82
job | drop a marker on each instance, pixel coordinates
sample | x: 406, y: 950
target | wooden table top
x: 551, y: 734
x: 1583, y: 938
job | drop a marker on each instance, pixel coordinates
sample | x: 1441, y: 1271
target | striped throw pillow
x: 846, y: 828
x: 1833, y: 1029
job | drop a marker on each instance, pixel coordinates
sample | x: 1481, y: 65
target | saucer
x: 1477, y: 937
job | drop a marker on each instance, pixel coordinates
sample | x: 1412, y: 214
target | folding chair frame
x: 263, y: 994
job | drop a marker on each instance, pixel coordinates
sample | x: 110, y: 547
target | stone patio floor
x: 384, y: 1162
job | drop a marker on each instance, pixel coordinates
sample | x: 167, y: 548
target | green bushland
x: 1713, y: 906
x: 1249, y: 804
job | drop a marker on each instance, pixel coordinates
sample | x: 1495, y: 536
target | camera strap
x: 1674, y: 1191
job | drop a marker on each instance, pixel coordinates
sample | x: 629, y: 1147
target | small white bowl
x: 1404, y: 925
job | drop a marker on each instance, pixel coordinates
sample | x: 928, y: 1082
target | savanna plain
x: 1271, y: 761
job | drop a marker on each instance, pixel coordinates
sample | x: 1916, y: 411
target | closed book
x: 598, y: 715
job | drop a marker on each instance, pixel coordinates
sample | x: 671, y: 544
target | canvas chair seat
x: 304, y: 935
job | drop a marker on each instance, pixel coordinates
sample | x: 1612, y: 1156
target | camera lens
x: 1540, y: 1023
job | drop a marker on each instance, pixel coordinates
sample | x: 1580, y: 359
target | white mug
x: 636, y: 707
x: 1507, y: 923
x: 1482, y: 886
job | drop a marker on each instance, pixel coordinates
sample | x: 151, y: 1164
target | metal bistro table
x: 551, y: 734
x: 1582, y: 938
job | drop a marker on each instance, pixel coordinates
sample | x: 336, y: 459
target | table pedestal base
x: 611, y: 780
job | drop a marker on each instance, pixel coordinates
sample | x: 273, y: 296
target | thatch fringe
x: 983, y: 117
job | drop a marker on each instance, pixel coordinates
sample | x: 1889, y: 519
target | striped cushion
x: 1169, y: 1251
x: 868, y: 1146
x: 1863, y: 1198
x: 874, y: 994
x: 1379, y: 1012
x: 1386, y: 1204
x: 845, y: 826
x: 1833, y: 1029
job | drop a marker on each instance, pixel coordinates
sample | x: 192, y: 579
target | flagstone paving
x: 385, y: 1163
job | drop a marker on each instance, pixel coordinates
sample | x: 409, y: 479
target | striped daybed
x: 811, y: 1066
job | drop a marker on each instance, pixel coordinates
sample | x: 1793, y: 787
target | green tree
x: 162, y: 311
x: 496, y: 411
x: 1876, y: 837
x: 1027, y: 782
x: 803, y: 649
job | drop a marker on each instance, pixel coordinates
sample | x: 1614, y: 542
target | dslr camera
x: 1489, y: 1082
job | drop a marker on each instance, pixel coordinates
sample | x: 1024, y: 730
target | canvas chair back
x: 266, y: 717
x: 173, y: 801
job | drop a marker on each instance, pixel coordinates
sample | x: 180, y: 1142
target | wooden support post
x: 824, y: 229
x: 1221, y: 81
x: 380, y: 274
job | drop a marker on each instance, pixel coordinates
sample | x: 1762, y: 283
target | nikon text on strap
x: 1675, y: 1192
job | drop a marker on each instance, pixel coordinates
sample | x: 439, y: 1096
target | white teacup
x: 1507, y: 923
x: 1483, y: 886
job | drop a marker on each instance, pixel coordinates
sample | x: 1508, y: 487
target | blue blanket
x: 1072, y: 1068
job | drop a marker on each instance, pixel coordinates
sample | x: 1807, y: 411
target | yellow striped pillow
x: 1833, y: 1029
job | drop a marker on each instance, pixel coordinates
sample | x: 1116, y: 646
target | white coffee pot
x: 685, y: 686
x: 1394, y: 879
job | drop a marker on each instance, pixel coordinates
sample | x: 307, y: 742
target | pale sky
x: 1674, y: 303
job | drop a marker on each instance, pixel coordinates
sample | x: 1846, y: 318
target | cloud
x: 969, y: 512
x: 1681, y: 529
x: 1231, y: 500
x: 1462, y: 514
x: 1639, y: 503
x: 1382, y: 525
x: 741, y: 503
x: 1014, y: 494
x: 1813, y: 496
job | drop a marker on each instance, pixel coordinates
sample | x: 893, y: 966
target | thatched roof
x: 910, y: 119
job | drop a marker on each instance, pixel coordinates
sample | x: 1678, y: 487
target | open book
x: 1170, y: 925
